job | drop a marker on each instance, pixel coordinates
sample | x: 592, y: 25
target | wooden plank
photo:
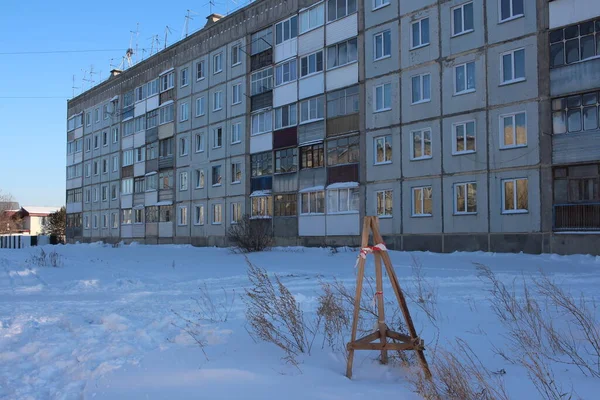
x: 401, y: 300
x: 380, y: 305
x: 381, y: 346
x: 359, y: 282
x: 369, y: 338
x: 398, y: 336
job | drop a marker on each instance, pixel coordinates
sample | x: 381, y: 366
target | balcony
x: 576, y: 217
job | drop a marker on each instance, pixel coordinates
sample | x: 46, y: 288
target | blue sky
x: 33, y: 133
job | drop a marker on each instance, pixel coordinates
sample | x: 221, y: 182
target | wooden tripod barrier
x: 403, y: 342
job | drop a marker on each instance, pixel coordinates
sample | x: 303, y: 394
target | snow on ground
x: 101, y: 326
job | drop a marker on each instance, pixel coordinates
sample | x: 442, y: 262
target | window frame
x: 383, y: 35
x: 184, y: 79
x: 217, y: 67
x: 236, y: 132
x: 265, y: 203
x: 462, y: 19
x: 338, y: 17
x: 236, y: 168
x: 422, y: 100
x: 310, y: 195
x: 336, y: 45
x: 200, y: 72
x: 215, y: 171
x: 351, y: 191
x: 199, y: 217
x: 200, y: 179
x: 280, y: 156
x: 512, y: 64
x: 386, y: 139
x: 217, y: 137
x: 214, y: 220
x: 385, y: 193
x: 515, y: 210
x: 513, y: 115
x: 466, y: 189
x: 465, y: 67
x: 290, y: 29
x: 308, y: 11
x: 217, y: 105
x: 200, y: 106
x: 420, y: 23
x: 422, y: 131
x: 286, y: 109
x: 513, y: 16
x: 182, y: 219
x: 236, y: 54
x: 267, y: 122
x: 383, y: 4
x: 317, y: 151
x: 184, y: 115
x: 317, y: 108
x: 236, y: 94
x: 376, y: 97
x: 307, y: 57
x: 455, y: 151
x: 413, y: 211
x: 280, y: 67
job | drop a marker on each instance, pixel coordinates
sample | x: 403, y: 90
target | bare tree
x: 9, y: 221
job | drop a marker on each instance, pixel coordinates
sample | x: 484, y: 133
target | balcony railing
x: 576, y: 217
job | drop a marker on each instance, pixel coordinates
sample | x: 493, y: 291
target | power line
x: 35, y: 97
x: 15, y: 53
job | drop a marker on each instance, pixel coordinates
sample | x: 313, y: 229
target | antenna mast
x: 74, y: 87
x: 186, y: 24
x: 167, y: 31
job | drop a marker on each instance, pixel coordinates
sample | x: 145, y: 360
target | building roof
x: 39, y: 211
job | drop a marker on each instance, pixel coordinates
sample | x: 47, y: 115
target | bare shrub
x: 194, y: 329
x: 54, y: 259
x: 250, y: 235
x: 458, y: 374
x: 422, y: 292
x: 275, y: 316
x: 43, y: 259
x: 534, y: 342
x: 210, y: 310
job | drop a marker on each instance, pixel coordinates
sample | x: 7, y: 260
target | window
x: 419, y: 33
x: 95, y: 219
x: 88, y: 195
x: 510, y: 9
x: 312, y: 18
x: 115, y: 163
x: 312, y: 156
x: 88, y: 119
x: 184, y: 112
x: 114, y: 220
x: 97, y: 115
x: 75, y: 171
x: 182, y: 215
x: 139, y: 154
x: 104, y: 166
x: 262, y: 122
x: 199, y: 70
x: 312, y: 109
x: 165, y: 213
x: 127, y: 157
x: 74, y: 195
x: 285, y: 72
x: 96, y: 169
x: 236, y: 134
x: 140, y: 93
x: 236, y: 212
x: 127, y: 186
x: 151, y: 151
x: 165, y: 114
x: 216, y: 175
x: 262, y: 206
x: 513, y: 130
x: 217, y: 100
x: 236, y: 94
x: 151, y: 182
x: 105, y: 112
x: 286, y: 116
x: 285, y: 205
x: 380, y: 3
x: 217, y: 138
x: 286, y: 160
x: 420, y: 144
x: 421, y: 201
x: 138, y: 216
x: 88, y: 170
x: 113, y: 192
x: 86, y: 222
x: 383, y: 97
x: 152, y: 214
x: 342, y: 200
x: 96, y: 142
x: 104, y: 138
x: 165, y: 180
x: 115, y: 135
x: 515, y: 196
x: 217, y: 214
x: 513, y: 66
x: 343, y: 150
x: 126, y: 215
x: 183, y: 147
x: 167, y: 81
x: 236, y: 172
x: 311, y: 64
x: 463, y: 137
x: 183, y: 181
x: 342, y: 53
x: 199, y: 142
x: 217, y: 63
x: 261, y: 164
x: 139, y: 185
x: 464, y: 78
x: 184, y: 77
x: 199, y: 214
x: 342, y: 102
x: 577, y: 184
x: 383, y: 45
x: 200, y: 111
x: 574, y: 43
x: 151, y: 119
x: 88, y: 144
x: 312, y: 202
x: 462, y: 19
x: 152, y: 88
x: 261, y: 41
x: 384, y: 203
x: 128, y: 127
x: 261, y: 81
x: 337, y: 9
x: 383, y: 149
x: 465, y: 198
x: 286, y: 30
x: 199, y: 178
x: 575, y: 113
x: 236, y: 55
x: 421, y: 88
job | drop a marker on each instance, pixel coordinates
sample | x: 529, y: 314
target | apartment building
x: 450, y: 120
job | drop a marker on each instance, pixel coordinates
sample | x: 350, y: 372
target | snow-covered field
x: 101, y: 326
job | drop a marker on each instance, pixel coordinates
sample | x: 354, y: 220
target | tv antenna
x: 130, y: 50
x: 74, y: 87
x: 167, y: 31
x: 186, y: 24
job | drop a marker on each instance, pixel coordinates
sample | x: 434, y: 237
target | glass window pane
x: 352, y: 50
x: 558, y: 104
x: 457, y: 18
x: 574, y: 101
x: 509, y: 137
x: 470, y: 136
x: 521, y: 128
x: 590, y: 118
x: 417, y: 146
x: 557, y: 54
x: 331, y: 10
x: 460, y: 78
x: 587, y: 46
x: 416, y: 89
x: 471, y: 75
x: 522, y: 194
x: 506, y: 67
x: 426, y: 87
x: 519, y: 59
x: 415, y: 35
x: 343, y: 200
x: 559, y: 122
x: 572, y: 50
x: 468, y: 16
x: 425, y: 31
x: 387, y: 43
x: 471, y: 197
x: 589, y: 99
x: 585, y: 28
x: 517, y: 7
x: 509, y: 195
x: 505, y: 9
x: 460, y: 198
x: 342, y: 54
x: 460, y: 137
x: 341, y: 8
x: 556, y: 36
x: 574, y: 120
x: 571, y: 32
